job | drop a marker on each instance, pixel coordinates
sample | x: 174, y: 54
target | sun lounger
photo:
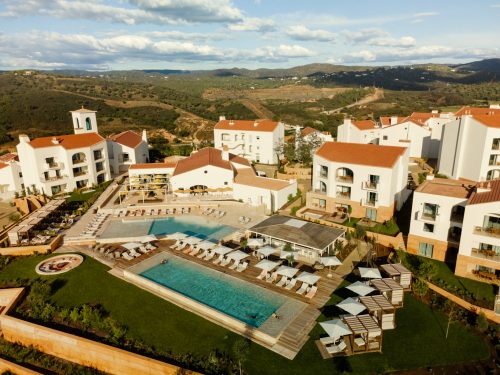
x: 262, y: 275
x: 272, y: 278
x: 302, y: 289
x: 283, y: 281
x: 312, y: 292
x: 242, y: 267
x: 291, y: 284
x: 209, y: 256
x: 167, y: 211
x: 221, y: 213
x: 150, y: 247
x: 234, y: 265
x: 134, y: 253
x: 327, y: 340
x: 194, y: 252
x: 202, y: 254
x: 336, y: 348
x: 127, y: 256
x: 187, y: 250
x: 225, y: 262
x: 218, y: 260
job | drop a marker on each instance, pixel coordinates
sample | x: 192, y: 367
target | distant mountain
x: 487, y: 65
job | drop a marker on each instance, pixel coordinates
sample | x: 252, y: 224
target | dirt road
x: 257, y: 108
x: 378, y: 94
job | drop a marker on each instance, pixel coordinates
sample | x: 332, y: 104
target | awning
x: 360, y: 288
x: 267, y: 265
x: 369, y: 273
x: 352, y: 306
x: 330, y: 261
x: 266, y: 250
x: 335, y: 328
x: 206, y: 245
x: 255, y: 242
x: 237, y: 255
x: 308, y: 278
x: 287, y: 271
x: 222, y: 250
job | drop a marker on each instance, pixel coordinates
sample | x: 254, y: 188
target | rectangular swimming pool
x: 191, y: 225
x: 246, y: 302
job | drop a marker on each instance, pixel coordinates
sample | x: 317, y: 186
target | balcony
x: 52, y: 178
x: 323, y: 174
x: 428, y: 216
x: 98, y: 156
x: 79, y: 161
x: 99, y: 169
x: 488, y: 231
x: 54, y: 165
x: 319, y: 192
x: 369, y: 185
x: 79, y: 173
x: 345, y: 179
x: 343, y: 195
x: 370, y: 202
x: 485, y: 254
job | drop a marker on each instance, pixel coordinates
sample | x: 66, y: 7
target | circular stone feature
x: 58, y: 264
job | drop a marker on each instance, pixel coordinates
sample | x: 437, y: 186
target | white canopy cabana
x: 222, y: 250
x: 352, y: 306
x: 335, y: 328
x: 255, y: 242
x: 237, y: 255
x: 369, y: 273
x: 266, y: 250
x: 287, y: 271
x: 192, y: 240
x: 177, y: 236
x: 148, y: 238
x: 308, y: 278
x: 330, y: 261
x: 286, y: 254
x: 360, y: 288
x: 131, y: 245
x: 205, y: 245
x: 267, y: 265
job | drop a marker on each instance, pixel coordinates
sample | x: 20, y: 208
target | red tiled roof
x: 152, y: 165
x: 127, y: 138
x: 69, y: 141
x: 308, y: 130
x: 477, y: 111
x: 3, y: 165
x: 362, y: 154
x: 364, y: 124
x: 386, y: 120
x: 5, y: 158
x: 446, y: 187
x: 492, y: 195
x: 207, y: 156
x: 492, y: 121
x: 249, y: 125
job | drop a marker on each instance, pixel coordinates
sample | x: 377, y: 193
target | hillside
x: 487, y: 65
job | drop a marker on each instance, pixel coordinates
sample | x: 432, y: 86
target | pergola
x: 392, y: 290
x: 366, y: 334
x: 399, y: 273
x: 379, y: 307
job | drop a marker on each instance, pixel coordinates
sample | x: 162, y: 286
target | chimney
x: 394, y: 120
x: 231, y: 122
x: 222, y: 118
x: 255, y: 124
x: 483, y: 187
x: 24, y: 138
x: 145, y: 136
x: 54, y: 141
x: 225, y: 153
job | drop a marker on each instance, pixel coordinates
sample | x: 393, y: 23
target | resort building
x: 308, y: 134
x: 125, y: 149
x: 367, y: 180
x: 11, y: 177
x: 52, y: 165
x: 470, y: 146
x: 255, y: 140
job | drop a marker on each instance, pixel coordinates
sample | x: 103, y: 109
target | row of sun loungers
x: 153, y: 212
x: 117, y: 252
x: 244, y: 220
x: 213, y: 212
x: 93, y: 227
x: 308, y: 291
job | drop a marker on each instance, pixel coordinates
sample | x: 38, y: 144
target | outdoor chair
x: 302, y: 289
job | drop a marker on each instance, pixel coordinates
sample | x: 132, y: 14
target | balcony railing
x: 319, y: 192
x: 323, y: 174
x: 485, y: 231
x: 80, y: 173
x: 347, y: 179
x: 428, y: 216
x: 99, y: 169
x: 343, y: 195
x: 370, y: 185
x: 486, y: 254
x: 79, y: 160
x: 54, y: 165
x: 370, y: 202
x: 52, y: 178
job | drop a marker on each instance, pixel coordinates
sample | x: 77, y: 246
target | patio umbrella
x: 222, y: 250
x: 267, y: 265
x: 177, y: 236
x: 308, y: 278
x: 329, y: 262
x: 266, y: 250
x: 287, y: 271
x: 361, y: 289
x: 335, y: 328
x: 206, y: 245
x: 255, y: 242
x: 369, y: 273
x: 192, y: 240
x: 352, y: 306
x: 131, y: 245
x: 237, y: 255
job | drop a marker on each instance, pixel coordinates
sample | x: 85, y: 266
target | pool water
x: 191, y: 225
x: 241, y: 300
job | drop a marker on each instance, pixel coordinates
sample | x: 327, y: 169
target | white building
x: 309, y: 134
x: 125, y: 149
x: 63, y: 163
x: 256, y: 140
x: 368, y: 178
x: 452, y: 218
x: 470, y: 147
x: 11, y: 177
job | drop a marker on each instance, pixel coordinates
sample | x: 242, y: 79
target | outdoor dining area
x: 370, y: 310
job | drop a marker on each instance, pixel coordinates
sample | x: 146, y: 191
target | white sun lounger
x: 272, y: 278
x: 242, y: 267
x: 336, y: 348
x: 209, y: 256
x: 225, y: 262
x: 234, y: 265
x: 291, y: 284
x: 127, y: 256
x: 302, y: 289
x: 202, y: 254
x: 262, y: 275
x: 194, y: 252
x: 218, y: 260
x: 312, y: 292
x: 282, y: 281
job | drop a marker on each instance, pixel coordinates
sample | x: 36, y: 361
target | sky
x: 209, y: 34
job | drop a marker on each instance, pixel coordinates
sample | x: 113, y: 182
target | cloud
x: 133, y: 11
x: 253, y: 24
x: 179, y: 35
x: 81, y: 51
x: 377, y: 37
x: 300, y: 32
x: 425, y: 14
x: 405, y: 41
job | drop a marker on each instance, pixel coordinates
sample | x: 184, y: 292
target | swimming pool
x: 246, y: 302
x: 191, y: 225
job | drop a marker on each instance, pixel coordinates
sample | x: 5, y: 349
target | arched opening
x: 322, y: 187
x: 454, y: 234
x: 494, y: 174
x: 77, y: 123
x: 88, y: 124
x: 79, y: 157
x: 345, y: 175
x: 101, y: 178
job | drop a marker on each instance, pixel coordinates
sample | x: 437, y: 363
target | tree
x: 450, y: 307
x: 420, y: 287
x: 241, y: 348
x: 244, y: 243
x: 427, y: 269
x: 288, y: 248
x: 482, y: 323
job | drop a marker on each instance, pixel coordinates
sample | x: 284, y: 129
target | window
x: 205, y: 171
x: 88, y: 124
x: 225, y: 182
x: 250, y: 148
x: 99, y: 166
x: 97, y: 154
x: 236, y: 137
x: 371, y: 214
x: 126, y: 157
x: 430, y: 211
x: 343, y: 192
x: 495, y: 144
x: 428, y: 227
x: 323, y: 171
x: 322, y: 187
x: 371, y: 198
x: 493, y: 160
x: 242, y: 137
x: 225, y: 137
x: 491, y: 222
x: 258, y: 137
x: 493, y: 174
x: 77, y: 123
x: 425, y: 249
x: 385, y: 138
x: 322, y: 203
x: 20, y: 175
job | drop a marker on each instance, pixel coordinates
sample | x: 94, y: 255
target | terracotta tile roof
x: 364, y: 124
x: 127, y: 138
x: 5, y: 158
x: 477, y: 111
x: 362, y: 154
x: 248, y: 125
x: 152, y: 165
x: 492, y: 121
x: 69, y: 141
x: 83, y: 110
x: 3, y: 165
x: 492, y: 195
x: 247, y: 177
x: 308, y: 130
x: 208, y: 156
x: 386, y: 120
x: 446, y: 187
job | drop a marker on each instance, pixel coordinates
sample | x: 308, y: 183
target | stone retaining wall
x: 30, y: 250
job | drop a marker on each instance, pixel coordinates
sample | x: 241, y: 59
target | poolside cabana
x: 237, y: 255
x: 205, y: 245
x: 309, y: 241
x: 308, y: 278
x: 369, y: 273
x: 330, y: 261
x: 352, y: 306
x: 398, y: 273
x: 361, y: 289
x: 286, y: 271
x: 366, y: 334
x: 255, y: 242
x: 222, y: 250
x: 336, y: 329
x: 266, y: 251
x: 131, y: 245
x: 379, y: 307
x: 392, y: 290
x: 267, y: 265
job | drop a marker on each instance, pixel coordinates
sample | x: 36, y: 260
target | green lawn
x: 418, y: 340
x: 390, y: 228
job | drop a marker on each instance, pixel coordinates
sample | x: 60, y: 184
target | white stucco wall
x: 215, y: 177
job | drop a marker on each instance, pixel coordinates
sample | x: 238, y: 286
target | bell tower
x: 84, y: 121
